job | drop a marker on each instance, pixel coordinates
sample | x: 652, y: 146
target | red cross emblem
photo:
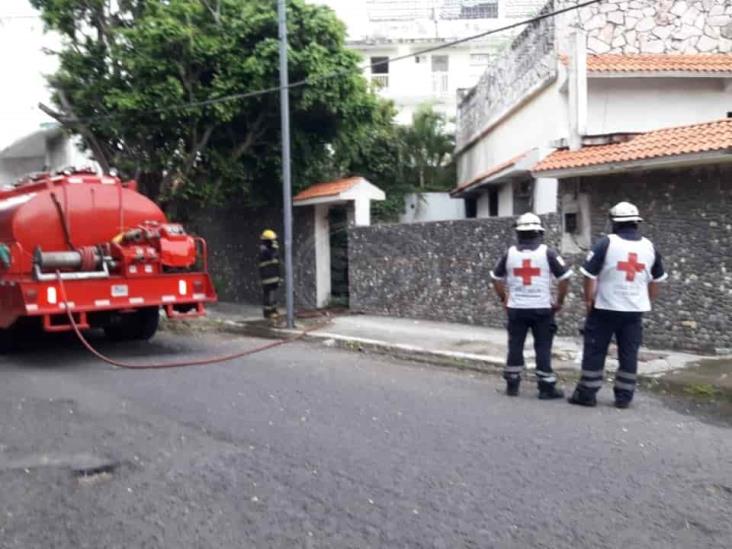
x: 527, y: 272
x: 631, y: 267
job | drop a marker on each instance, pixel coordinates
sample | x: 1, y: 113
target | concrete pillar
x: 545, y: 195
x: 578, y: 90
x: 322, y: 255
x: 483, y: 205
x: 505, y: 200
x: 362, y: 212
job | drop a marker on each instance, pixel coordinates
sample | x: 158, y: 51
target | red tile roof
x: 490, y: 172
x: 331, y: 188
x: 669, y: 62
x: 699, y: 138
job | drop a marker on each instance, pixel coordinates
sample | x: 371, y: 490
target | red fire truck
x: 93, y: 242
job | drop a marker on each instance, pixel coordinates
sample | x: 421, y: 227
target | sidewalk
x: 446, y: 343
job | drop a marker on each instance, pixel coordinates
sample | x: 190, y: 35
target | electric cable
x: 176, y: 364
x: 333, y: 74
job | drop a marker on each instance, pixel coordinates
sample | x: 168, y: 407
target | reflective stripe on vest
x: 623, y: 282
x: 529, y: 278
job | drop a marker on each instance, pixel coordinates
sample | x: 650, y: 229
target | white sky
x: 23, y: 63
x: 22, y: 66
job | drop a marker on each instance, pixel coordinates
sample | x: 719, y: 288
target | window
x: 493, y: 203
x: 471, y: 208
x: 440, y: 75
x: 440, y: 63
x: 480, y: 59
x: 380, y: 72
x: 379, y: 65
x: 479, y: 10
x: 522, y: 197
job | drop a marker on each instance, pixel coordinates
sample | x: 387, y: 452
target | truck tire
x: 8, y: 341
x: 140, y: 325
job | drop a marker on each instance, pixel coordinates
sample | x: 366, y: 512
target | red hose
x: 180, y: 364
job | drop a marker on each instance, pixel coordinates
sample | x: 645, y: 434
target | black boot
x: 548, y: 391
x: 581, y: 398
x: 623, y: 398
x: 512, y: 388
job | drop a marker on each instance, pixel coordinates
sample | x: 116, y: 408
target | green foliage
x: 428, y: 148
x: 121, y: 59
x: 408, y: 159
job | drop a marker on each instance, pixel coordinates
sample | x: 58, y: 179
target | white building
x: 23, y: 66
x: 588, y: 78
x: 391, y: 29
x: 46, y: 150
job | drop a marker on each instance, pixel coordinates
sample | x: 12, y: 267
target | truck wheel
x: 8, y: 341
x: 140, y: 325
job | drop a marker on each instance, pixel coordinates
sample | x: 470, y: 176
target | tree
x: 128, y: 65
x: 428, y: 148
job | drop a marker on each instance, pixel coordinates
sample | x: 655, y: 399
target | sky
x: 23, y: 63
x: 22, y: 68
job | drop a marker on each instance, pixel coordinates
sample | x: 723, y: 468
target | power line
x: 11, y: 17
x: 309, y: 80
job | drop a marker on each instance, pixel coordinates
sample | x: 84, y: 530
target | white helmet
x: 625, y: 211
x: 529, y: 222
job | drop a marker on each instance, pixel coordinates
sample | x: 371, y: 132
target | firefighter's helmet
x: 529, y: 222
x: 625, y: 212
x: 268, y: 234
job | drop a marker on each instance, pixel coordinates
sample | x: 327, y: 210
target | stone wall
x: 687, y: 214
x: 440, y: 270
x: 437, y: 270
x: 529, y: 63
x: 656, y: 26
x: 233, y: 242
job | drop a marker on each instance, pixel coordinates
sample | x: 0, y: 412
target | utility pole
x: 286, y: 175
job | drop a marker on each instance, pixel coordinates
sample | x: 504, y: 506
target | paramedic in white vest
x: 622, y: 273
x: 523, y: 280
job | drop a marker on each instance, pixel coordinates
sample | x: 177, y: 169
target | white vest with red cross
x: 623, y: 282
x: 529, y: 278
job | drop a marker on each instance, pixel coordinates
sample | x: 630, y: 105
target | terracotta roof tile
x: 490, y: 172
x: 669, y: 62
x: 331, y: 188
x: 699, y: 138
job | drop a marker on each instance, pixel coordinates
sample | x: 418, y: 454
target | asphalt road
x: 306, y: 446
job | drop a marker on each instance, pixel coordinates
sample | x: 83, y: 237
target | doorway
x: 338, y: 219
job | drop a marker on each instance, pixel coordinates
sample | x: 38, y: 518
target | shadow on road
x: 43, y: 350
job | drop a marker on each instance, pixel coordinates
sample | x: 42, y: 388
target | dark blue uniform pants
x: 600, y: 327
x: 542, y: 326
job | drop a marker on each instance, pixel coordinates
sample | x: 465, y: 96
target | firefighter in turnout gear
x: 622, y: 273
x: 269, y: 272
x: 523, y: 280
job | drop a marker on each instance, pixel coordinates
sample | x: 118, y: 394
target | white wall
x: 419, y: 207
x: 505, y: 200
x: 535, y: 124
x: 411, y: 83
x: 22, y: 66
x: 644, y: 104
x: 322, y: 255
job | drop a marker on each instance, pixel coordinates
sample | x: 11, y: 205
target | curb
x: 454, y: 359
x: 487, y: 364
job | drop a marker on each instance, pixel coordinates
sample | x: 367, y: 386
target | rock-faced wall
x: 656, y: 26
x: 233, y: 243
x: 440, y: 270
x: 437, y: 270
x: 687, y: 215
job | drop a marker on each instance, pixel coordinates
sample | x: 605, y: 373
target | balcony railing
x: 380, y: 81
x: 440, y: 83
x: 530, y: 60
